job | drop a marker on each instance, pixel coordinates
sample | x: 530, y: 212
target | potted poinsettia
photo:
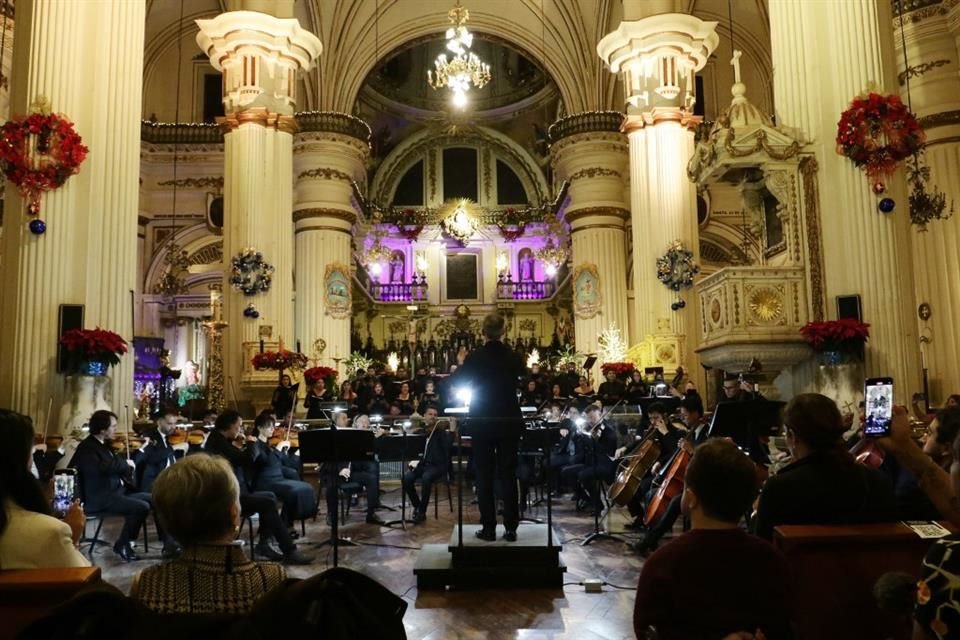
x: 92, y: 351
x: 838, y: 340
x: 327, y: 374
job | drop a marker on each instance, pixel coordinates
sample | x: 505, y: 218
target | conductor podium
x: 467, y: 562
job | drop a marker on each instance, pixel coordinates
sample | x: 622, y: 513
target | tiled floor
x: 388, y: 555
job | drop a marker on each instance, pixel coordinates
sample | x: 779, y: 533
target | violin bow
x: 46, y: 424
x: 126, y: 410
x: 289, y: 422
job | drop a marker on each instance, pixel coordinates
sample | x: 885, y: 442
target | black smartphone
x: 64, y: 490
x: 878, y: 407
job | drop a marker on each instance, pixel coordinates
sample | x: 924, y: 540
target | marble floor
x: 388, y: 555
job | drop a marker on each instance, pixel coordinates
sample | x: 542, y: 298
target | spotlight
x: 579, y: 421
x: 464, y: 395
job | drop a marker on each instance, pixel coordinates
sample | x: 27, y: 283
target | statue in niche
x: 396, y: 267
x: 525, y: 260
x: 774, y: 240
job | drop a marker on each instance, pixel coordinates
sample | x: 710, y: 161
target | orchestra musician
x: 432, y: 466
x: 276, y: 472
x: 567, y: 457
x: 691, y: 412
x: 599, y: 456
x: 103, y: 477
x: 490, y: 372
x: 157, y: 454
x: 363, y: 472
x: 668, y: 437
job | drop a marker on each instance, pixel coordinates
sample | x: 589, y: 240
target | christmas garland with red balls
x: 38, y: 153
x: 877, y: 132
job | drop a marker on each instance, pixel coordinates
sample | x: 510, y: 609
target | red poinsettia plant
x: 327, y: 374
x: 621, y: 369
x: 846, y: 335
x: 85, y: 346
x: 877, y: 132
x: 39, y: 152
x: 278, y: 360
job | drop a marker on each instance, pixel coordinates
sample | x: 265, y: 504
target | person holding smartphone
x: 30, y: 537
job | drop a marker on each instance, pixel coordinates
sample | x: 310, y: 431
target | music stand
x: 543, y: 437
x: 746, y: 422
x: 333, y: 446
x: 598, y: 533
x: 402, y: 448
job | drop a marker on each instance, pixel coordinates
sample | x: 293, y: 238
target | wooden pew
x: 834, y: 569
x: 28, y: 594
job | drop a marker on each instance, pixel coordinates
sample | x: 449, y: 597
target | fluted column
x: 933, y: 43
x: 330, y: 153
x: 590, y: 153
x: 87, y: 60
x: 819, y: 70
x: 259, y: 56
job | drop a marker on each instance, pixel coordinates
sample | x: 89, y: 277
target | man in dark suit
x: 156, y: 455
x: 598, y: 463
x: 490, y: 374
x: 220, y: 443
x: 612, y: 391
x: 433, y: 466
x: 103, y: 476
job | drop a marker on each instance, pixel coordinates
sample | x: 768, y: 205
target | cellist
x: 668, y: 437
x: 691, y: 412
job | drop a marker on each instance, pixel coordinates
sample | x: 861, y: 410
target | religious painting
x: 462, y: 281
x: 336, y: 290
x: 586, y: 291
x: 525, y: 264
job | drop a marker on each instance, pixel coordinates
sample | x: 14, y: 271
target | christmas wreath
x: 676, y: 267
x: 511, y: 225
x: 410, y: 224
x: 251, y: 274
x: 877, y: 132
x: 38, y: 153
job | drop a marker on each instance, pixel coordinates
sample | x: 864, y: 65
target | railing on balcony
x: 529, y: 290
x: 587, y: 122
x: 180, y: 133
x: 333, y: 122
x: 415, y: 291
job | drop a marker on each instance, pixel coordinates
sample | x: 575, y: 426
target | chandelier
x: 172, y: 283
x: 552, y: 256
x: 465, y: 68
x: 376, y: 255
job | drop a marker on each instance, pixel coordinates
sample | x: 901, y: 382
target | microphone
x: 896, y: 593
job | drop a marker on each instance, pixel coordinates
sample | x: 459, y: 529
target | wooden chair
x: 834, y: 569
x: 29, y: 594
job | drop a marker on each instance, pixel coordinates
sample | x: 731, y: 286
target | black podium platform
x: 478, y: 564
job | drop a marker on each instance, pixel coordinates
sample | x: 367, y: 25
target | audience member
x: 198, y: 501
x: 716, y: 579
x: 30, y: 537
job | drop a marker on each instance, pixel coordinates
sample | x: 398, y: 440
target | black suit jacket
x: 156, y: 457
x: 611, y: 392
x: 436, y: 453
x: 268, y: 463
x: 101, y: 472
x: 605, y: 444
x: 491, y: 372
x: 239, y: 459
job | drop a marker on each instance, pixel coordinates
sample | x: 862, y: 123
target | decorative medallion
x: 765, y: 304
x: 587, y: 296
x: 336, y: 290
x: 676, y: 267
x: 716, y: 311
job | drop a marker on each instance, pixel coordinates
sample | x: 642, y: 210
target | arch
x: 407, y: 153
x: 200, y: 245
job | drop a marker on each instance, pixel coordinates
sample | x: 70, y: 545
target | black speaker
x: 849, y: 307
x: 71, y: 317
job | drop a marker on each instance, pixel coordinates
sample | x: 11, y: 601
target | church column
x: 819, y: 70
x: 933, y: 42
x: 330, y: 153
x: 259, y: 56
x: 588, y: 151
x: 659, y: 55
x: 88, y: 254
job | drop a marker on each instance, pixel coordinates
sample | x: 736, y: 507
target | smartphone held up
x: 878, y: 407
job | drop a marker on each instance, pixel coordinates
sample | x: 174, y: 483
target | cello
x: 671, y: 485
x: 633, y: 468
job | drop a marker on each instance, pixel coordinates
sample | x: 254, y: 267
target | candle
x: 261, y: 345
x: 298, y: 347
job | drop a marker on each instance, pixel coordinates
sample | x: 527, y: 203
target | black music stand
x: 598, y: 533
x: 402, y: 448
x: 333, y: 446
x: 544, y: 437
x: 746, y: 423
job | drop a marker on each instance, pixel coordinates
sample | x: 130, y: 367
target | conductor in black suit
x: 491, y: 373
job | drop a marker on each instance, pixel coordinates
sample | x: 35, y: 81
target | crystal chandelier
x: 465, y: 68
x: 376, y: 255
x: 552, y: 256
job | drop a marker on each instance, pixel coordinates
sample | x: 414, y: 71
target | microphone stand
x: 599, y: 534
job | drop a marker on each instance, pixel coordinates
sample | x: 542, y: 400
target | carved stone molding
x: 195, y: 183
x: 811, y: 199
x: 917, y: 70
x: 942, y: 119
x: 587, y: 212
x: 594, y: 172
x: 324, y: 212
x: 325, y: 173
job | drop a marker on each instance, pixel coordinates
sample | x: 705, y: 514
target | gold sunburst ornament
x: 765, y: 305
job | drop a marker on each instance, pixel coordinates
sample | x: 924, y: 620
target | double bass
x: 633, y: 468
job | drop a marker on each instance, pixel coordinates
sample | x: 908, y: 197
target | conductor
x: 491, y: 373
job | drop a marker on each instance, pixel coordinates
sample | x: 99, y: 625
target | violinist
x: 103, y: 476
x: 823, y: 484
x: 274, y: 471
x: 691, y: 412
x: 600, y: 453
x: 668, y: 437
x: 157, y: 455
x: 284, y: 397
x: 566, y: 459
x: 432, y: 466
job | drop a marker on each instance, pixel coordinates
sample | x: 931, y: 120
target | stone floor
x: 388, y: 555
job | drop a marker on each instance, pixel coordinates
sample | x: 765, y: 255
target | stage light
x: 550, y: 270
x: 579, y: 422
x: 339, y: 409
x: 376, y: 419
x: 464, y: 395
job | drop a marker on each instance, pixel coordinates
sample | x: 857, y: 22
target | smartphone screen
x: 878, y: 407
x: 64, y: 490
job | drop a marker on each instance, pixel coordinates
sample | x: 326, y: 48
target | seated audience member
x: 220, y: 442
x: 363, y: 472
x: 30, y: 537
x: 103, y: 476
x: 271, y: 469
x: 198, y: 501
x: 433, y: 466
x: 716, y: 579
x: 823, y: 484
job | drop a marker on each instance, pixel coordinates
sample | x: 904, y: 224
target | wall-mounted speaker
x: 849, y: 307
x: 70, y: 317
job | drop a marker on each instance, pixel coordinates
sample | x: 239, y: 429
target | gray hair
x: 493, y: 326
x: 192, y: 499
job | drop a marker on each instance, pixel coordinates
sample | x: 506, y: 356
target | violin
x: 633, y: 469
x: 671, y: 486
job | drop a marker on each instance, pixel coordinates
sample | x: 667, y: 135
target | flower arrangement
x: 251, y: 274
x: 410, y: 223
x: 92, y: 351
x: 188, y: 393
x: 356, y: 364
x: 877, y: 132
x: 511, y: 224
x: 278, y: 360
x: 846, y: 335
x: 39, y: 152
x: 620, y: 369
